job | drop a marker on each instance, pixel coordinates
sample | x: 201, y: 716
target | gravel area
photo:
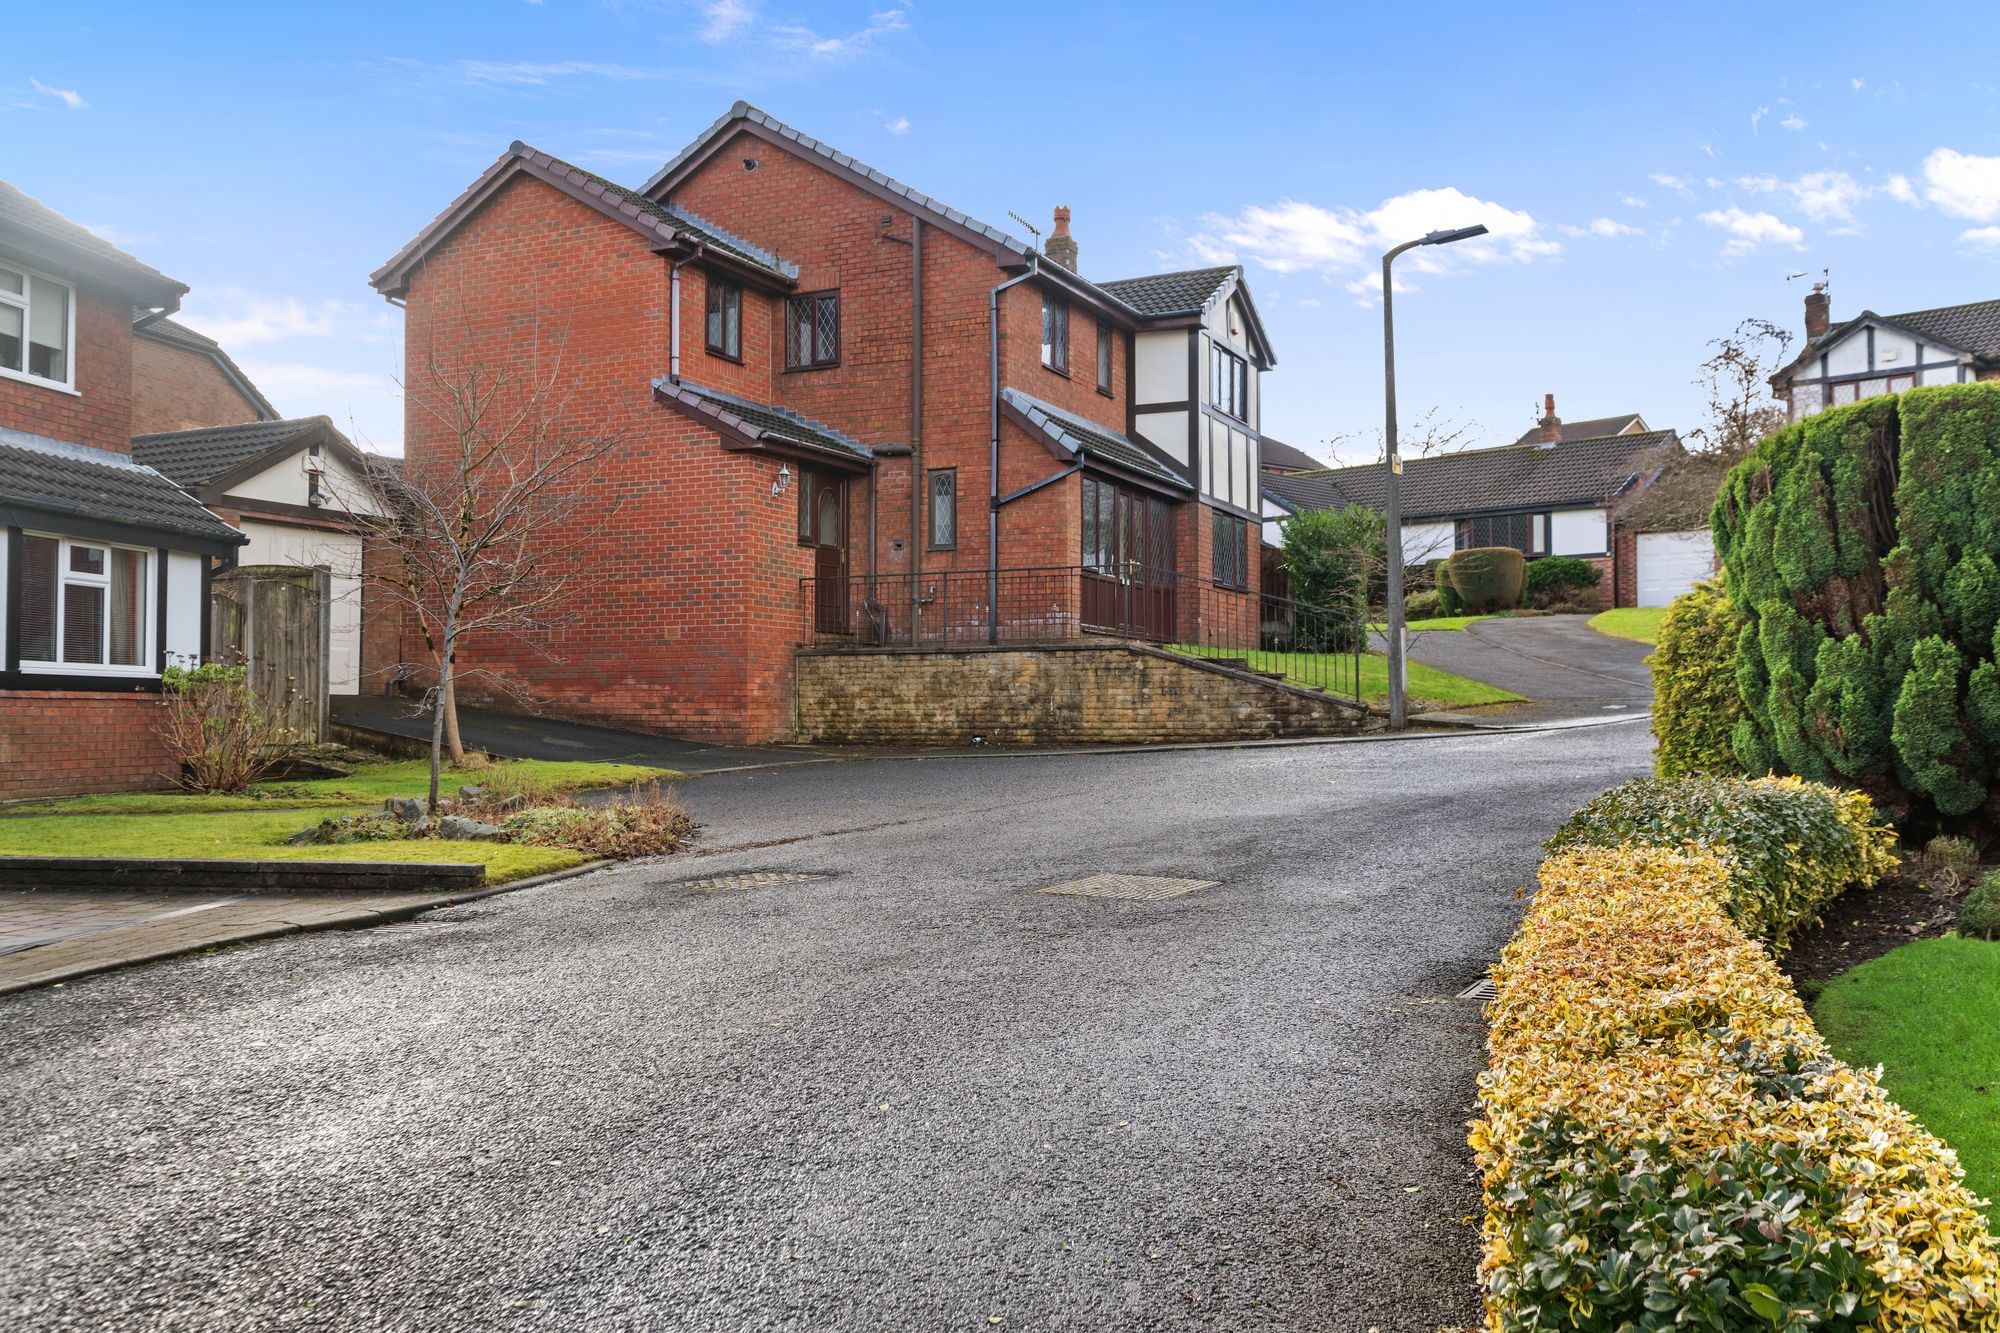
x: 914, y: 1094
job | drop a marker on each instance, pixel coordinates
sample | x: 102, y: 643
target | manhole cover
x: 749, y: 879
x: 1481, y: 990
x: 1140, y: 888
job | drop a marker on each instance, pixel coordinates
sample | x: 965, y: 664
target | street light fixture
x: 1399, y: 683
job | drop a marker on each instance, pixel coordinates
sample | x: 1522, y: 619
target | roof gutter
x: 993, y: 452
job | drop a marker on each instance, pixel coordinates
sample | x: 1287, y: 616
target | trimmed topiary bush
x: 1448, y: 603
x: 1555, y: 580
x: 1980, y: 913
x: 1423, y: 605
x: 1791, y: 846
x: 1487, y: 578
x: 1695, y: 704
x: 1861, y: 549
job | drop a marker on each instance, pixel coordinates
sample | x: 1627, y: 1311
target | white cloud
x: 1795, y: 122
x: 1752, y: 231
x: 1294, y: 236
x: 1826, y: 196
x: 69, y: 97
x: 1599, y: 227
x: 804, y: 40
x: 1986, y: 238
x: 723, y: 19
x: 1898, y: 187
x: 533, y: 74
x: 1758, y: 115
x: 900, y: 125
x: 1631, y: 201
x: 1858, y: 83
x: 1964, y: 184
x: 366, y: 405
x: 117, y: 235
x: 246, y: 320
x: 1681, y: 183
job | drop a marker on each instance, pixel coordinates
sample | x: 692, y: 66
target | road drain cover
x: 1481, y: 990
x: 749, y: 879
x: 1138, y: 888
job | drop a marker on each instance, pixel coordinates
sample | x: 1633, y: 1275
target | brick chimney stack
x: 1817, y: 304
x: 1551, y: 424
x: 1062, y: 246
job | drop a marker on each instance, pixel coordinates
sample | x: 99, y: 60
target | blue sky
x: 1651, y: 172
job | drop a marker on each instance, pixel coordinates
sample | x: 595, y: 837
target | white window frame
x: 149, y: 615
x: 21, y: 303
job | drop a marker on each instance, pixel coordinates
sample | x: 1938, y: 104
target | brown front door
x: 829, y: 534
x: 1128, y: 558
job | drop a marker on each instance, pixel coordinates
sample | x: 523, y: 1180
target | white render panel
x: 1670, y: 563
x: 1806, y: 400
x: 1579, y: 532
x: 284, y: 482
x: 1849, y: 356
x: 1272, y: 529
x: 340, y: 552
x: 1160, y: 367
x: 1239, y: 463
x: 1941, y: 375
x: 1424, y: 542
x: 1893, y: 350
x: 1166, y: 430
x: 185, y: 609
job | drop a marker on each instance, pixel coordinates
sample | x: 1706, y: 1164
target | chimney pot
x: 1817, y: 306
x: 1551, y: 425
x: 1062, y: 246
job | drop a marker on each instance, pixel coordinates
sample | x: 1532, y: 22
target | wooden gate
x: 276, y: 620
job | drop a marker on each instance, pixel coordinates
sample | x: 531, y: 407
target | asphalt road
x: 913, y: 1095
x: 1559, y: 664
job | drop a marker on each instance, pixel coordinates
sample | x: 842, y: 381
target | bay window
x: 84, y: 604
x: 36, y: 317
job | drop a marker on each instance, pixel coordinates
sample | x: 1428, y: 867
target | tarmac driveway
x: 911, y: 1094
x: 1563, y: 667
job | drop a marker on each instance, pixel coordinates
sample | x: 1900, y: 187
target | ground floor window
x: 1124, y: 529
x: 83, y: 604
x: 1526, y: 533
x: 1232, y: 557
x: 942, y: 486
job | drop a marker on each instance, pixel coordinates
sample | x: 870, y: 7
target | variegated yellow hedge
x: 1668, y: 1144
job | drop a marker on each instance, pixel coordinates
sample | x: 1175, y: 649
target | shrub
x: 1666, y: 1142
x: 651, y: 824
x: 1424, y: 605
x: 1335, y: 559
x: 1791, y: 846
x: 336, y: 829
x: 1448, y: 600
x: 1695, y: 704
x: 1947, y: 861
x: 218, y: 728
x: 1862, y: 548
x: 1487, y: 578
x: 1555, y: 580
x: 1980, y: 913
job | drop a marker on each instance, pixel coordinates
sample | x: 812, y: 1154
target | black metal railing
x: 1315, y: 647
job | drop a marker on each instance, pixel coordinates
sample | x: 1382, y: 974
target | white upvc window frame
x: 23, y: 303
x: 149, y: 611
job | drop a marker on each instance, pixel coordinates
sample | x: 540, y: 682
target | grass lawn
x: 1426, y: 683
x: 1629, y: 622
x: 1929, y: 1014
x: 368, y: 785
x: 1434, y: 623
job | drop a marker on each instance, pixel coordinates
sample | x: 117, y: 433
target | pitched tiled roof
x: 743, y: 111
x: 1593, y: 429
x: 758, y: 421
x: 1183, y: 293
x: 1973, y: 327
x: 54, y: 476
x: 194, y: 458
x: 1074, y: 437
x: 664, y: 224
x: 32, y: 228
x: 1511, y: 477
x: 180, y: 335
x: 1277, y: 454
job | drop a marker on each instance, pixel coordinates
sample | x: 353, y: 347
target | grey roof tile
x: 1592, y: 429
x: 1075, y: 436
x: 193, y: 458
x: 1286, y: 458
x: 1973, y: 327
x: 761, y: 421
x: 1184, y: 293
x: 59, y: 477
x: 32, y: 227
x: 1511, y: 477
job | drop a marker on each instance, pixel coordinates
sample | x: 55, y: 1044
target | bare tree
x: 489, y: 530
x: 1429, y: 434
x: 1740, y: 412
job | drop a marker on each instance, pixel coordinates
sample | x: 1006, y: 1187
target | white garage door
x: 1672, y: 562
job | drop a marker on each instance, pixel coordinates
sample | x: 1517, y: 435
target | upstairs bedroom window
x: 1228, y: 382
x: 812, y: 331
x: 36, y: 315
x: 1103, y: 358
x: 83, y: 605
x: 1055, y: 334
x: 725, y: 319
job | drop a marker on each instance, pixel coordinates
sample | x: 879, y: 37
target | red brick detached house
x: 817, y: 373
x: 104, y: 563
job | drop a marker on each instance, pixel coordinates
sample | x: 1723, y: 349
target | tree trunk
x: 437, y: 750
x: 448, y: 706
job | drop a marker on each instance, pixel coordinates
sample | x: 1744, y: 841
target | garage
x: 1672, y: 562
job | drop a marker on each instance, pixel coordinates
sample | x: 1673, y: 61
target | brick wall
x: 174, y: 388
x: 100, y: 412
x: 61, y: 743
x: 1625, y: 560
x: 1062, y: 695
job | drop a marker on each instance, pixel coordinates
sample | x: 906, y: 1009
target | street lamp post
x: 1399, y: 684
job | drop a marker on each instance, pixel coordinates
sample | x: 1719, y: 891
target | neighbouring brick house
x: 182, y: 380
x: 1554, y: 491
x: 843, y: 411
x: 104, y: 563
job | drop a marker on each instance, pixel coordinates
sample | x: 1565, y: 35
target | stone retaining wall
x: 1070, y: 694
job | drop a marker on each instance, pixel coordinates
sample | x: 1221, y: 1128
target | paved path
x: 1559, y: 664
x: 912, y: 1094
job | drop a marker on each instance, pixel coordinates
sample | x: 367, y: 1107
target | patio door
x: 1128, y: 558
